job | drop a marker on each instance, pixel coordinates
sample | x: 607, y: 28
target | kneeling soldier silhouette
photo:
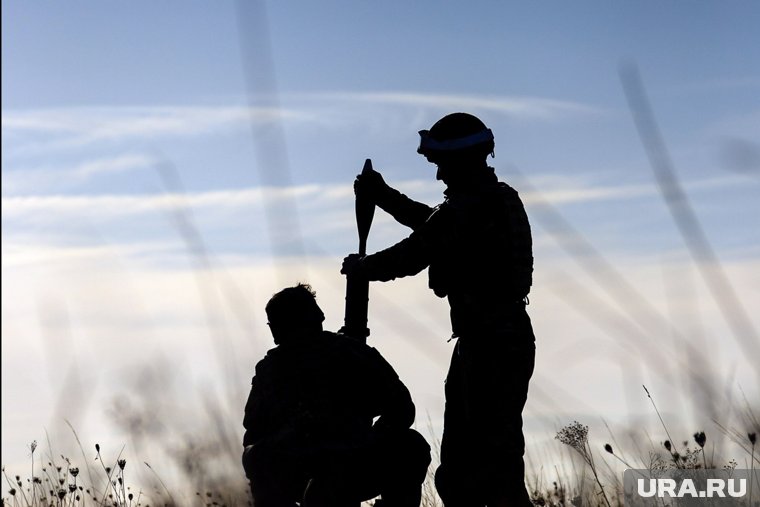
x: 309, y: 435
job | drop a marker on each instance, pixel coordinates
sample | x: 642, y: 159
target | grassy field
x: 579, y: 470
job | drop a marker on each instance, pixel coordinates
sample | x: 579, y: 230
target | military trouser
x: 483, y: 445
x: 392, y: 464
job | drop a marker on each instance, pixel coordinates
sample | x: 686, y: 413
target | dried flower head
x: 74, y: 471
x: 61, y: 493
x: 667, y: 445
x: 608, y: 448
x: 33, y: 446
x: 575, y: 435
x: 752, y: 438
x: 700, y: 438
x: 122, y: 463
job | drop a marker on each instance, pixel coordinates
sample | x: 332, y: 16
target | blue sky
x: 123, y: 121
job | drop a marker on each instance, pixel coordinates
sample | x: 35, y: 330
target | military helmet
x: 456, y: 134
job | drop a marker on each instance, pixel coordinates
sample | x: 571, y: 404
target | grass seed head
x: 667, y: 445
x: 752, y: 438
x: 608, y: 448
x: 575, y: 435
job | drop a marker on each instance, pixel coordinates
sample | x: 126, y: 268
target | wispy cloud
x: 521, y: 107
x: 744, y: 124
x: 317, y: 198
x: 17, y: 180
x: 105, y: 206
x: 79, y: 126
x: 72, y: 127
x: 726, y: 83
x: 25, y: 250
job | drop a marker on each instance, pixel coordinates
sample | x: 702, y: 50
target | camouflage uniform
x: 477, y: 248
x: 308, y: 422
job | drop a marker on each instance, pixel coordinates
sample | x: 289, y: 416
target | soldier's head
x: 294, y: 314
x: 459, y: 144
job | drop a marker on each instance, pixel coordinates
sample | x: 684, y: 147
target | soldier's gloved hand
x: 370, y: 184
x: 351, y: 264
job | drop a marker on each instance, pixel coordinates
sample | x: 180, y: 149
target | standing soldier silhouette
x: 478, y: 250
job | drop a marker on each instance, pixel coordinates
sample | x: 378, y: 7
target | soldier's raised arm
x: 404, y: 210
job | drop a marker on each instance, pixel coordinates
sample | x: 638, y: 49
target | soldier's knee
x: 416, y: 453
x: 247, y: 459
x: 256, y: 459
x: 417, y: 444
x: 404, y: 454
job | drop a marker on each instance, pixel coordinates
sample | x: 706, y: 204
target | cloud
x: 718, y: 84
x: 316, y: 198
x: 20, y: 180
x: 124, y: 309
x: 535, y: 108
x: 735, y: 126
x: 75, y: 127
x: 80, y: 126
x: 116, y: 206
x: 26, y: 250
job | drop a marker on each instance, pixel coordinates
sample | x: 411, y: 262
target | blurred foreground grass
x: 584, y: 472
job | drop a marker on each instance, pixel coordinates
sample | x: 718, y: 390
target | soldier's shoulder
x: 339, y: 340
x: 506, y: 189
x: 350, y: 346
x: 268, y: 362
x: 508, y: 196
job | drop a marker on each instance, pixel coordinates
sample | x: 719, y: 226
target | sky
x: 167, y: 166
